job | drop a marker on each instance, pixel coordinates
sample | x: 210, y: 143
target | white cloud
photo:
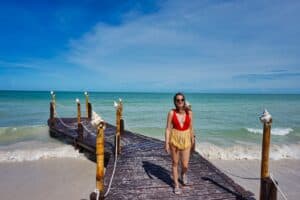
x: 194, y: 43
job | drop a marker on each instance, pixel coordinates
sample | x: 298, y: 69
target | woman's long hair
x: 174, y: 100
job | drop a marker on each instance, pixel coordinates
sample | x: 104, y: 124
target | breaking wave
x: 21, y: 155
x: 274, y: 131
x: 248, y: 152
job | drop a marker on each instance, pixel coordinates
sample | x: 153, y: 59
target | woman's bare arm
x: 191, y: 126
x: 168, y: 131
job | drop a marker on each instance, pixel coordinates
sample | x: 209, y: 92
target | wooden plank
x: 143, y: 168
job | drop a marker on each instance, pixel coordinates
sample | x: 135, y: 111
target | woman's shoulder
x: 170, y: 114
x: 171, y: 111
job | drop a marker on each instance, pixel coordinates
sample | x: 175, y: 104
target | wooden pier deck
x: 143, y: 169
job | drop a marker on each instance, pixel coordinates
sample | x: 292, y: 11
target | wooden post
x: 266, y: 183
x: 122, y: 126
x: 265, y: 151
x: 268, y: 189
x: 89, y: 111
x: 78, y: 111
x: 52, y: 114
x: 121, y: 117
x: 80, y: 127
x: 118, y: 125
x: 87, y: 104
x: 80, y: 131
x: 100, y: 160
x: 52, y: 120
x: 54, y: 102
x: 118, y: 118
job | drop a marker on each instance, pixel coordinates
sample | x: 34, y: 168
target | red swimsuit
x: 176, y: 124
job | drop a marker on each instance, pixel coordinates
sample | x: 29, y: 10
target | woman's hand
x: 193, y: 139
x: 193, y: 143
x: 167, y: 148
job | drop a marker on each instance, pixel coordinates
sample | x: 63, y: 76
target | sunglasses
x: 179, y: 100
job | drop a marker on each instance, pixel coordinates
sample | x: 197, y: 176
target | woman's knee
x: 175, y: 163
x: 185, y: 167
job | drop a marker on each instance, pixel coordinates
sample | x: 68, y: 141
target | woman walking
x: 179, y: 138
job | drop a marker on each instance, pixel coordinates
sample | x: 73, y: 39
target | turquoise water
x: 224, y: 122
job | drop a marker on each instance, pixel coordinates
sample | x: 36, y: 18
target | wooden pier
x: 143, y: 168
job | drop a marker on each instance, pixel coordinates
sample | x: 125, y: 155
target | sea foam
x: 248, y: 152
x: 21, y: 155
x: 274, y: 131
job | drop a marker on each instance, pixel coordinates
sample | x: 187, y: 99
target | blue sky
x: 191, y: 46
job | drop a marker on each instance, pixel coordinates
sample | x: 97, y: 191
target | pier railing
x: 268, y: 185
x: 100, y: 126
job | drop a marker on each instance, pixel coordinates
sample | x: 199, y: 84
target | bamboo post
x: 52, y: 120
x: 121, y: 117
x: 54, y: 102
x: 266, y: 186
x: 89, y: 111
x: 87, y: 103
x: 78, y: 111
x: 80, y: 127
x: 52, y: 114
x: 118, y: 119
x: 100, y: 160
x: 121, y: 126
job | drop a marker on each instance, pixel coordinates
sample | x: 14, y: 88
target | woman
x: 179, y: 138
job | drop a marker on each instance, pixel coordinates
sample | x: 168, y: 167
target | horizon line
x: 162, y: 92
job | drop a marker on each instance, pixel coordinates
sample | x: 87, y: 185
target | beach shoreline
x: 73, y: 178
x: 285, y: 172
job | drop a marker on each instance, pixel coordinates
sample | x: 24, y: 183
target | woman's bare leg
x: 185, y: 158
x: 175, y: 161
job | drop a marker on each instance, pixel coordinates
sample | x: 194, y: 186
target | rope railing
x: 114, y: 169
x: 99, y: 191
x: 119, y: 107
x: 93, y: 132
x: 278, y: 187
x: 64, y: 124
x: 86, y: 127
x: 88, y: 130
x: 75, y: 128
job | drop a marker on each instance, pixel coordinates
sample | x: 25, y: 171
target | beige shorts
x: 180, y: 139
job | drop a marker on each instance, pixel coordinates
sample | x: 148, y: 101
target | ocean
x: 227, y: 126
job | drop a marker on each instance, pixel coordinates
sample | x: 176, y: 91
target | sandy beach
x: 70, y: 178
x: 286, y: 172
x: 62, y: 178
